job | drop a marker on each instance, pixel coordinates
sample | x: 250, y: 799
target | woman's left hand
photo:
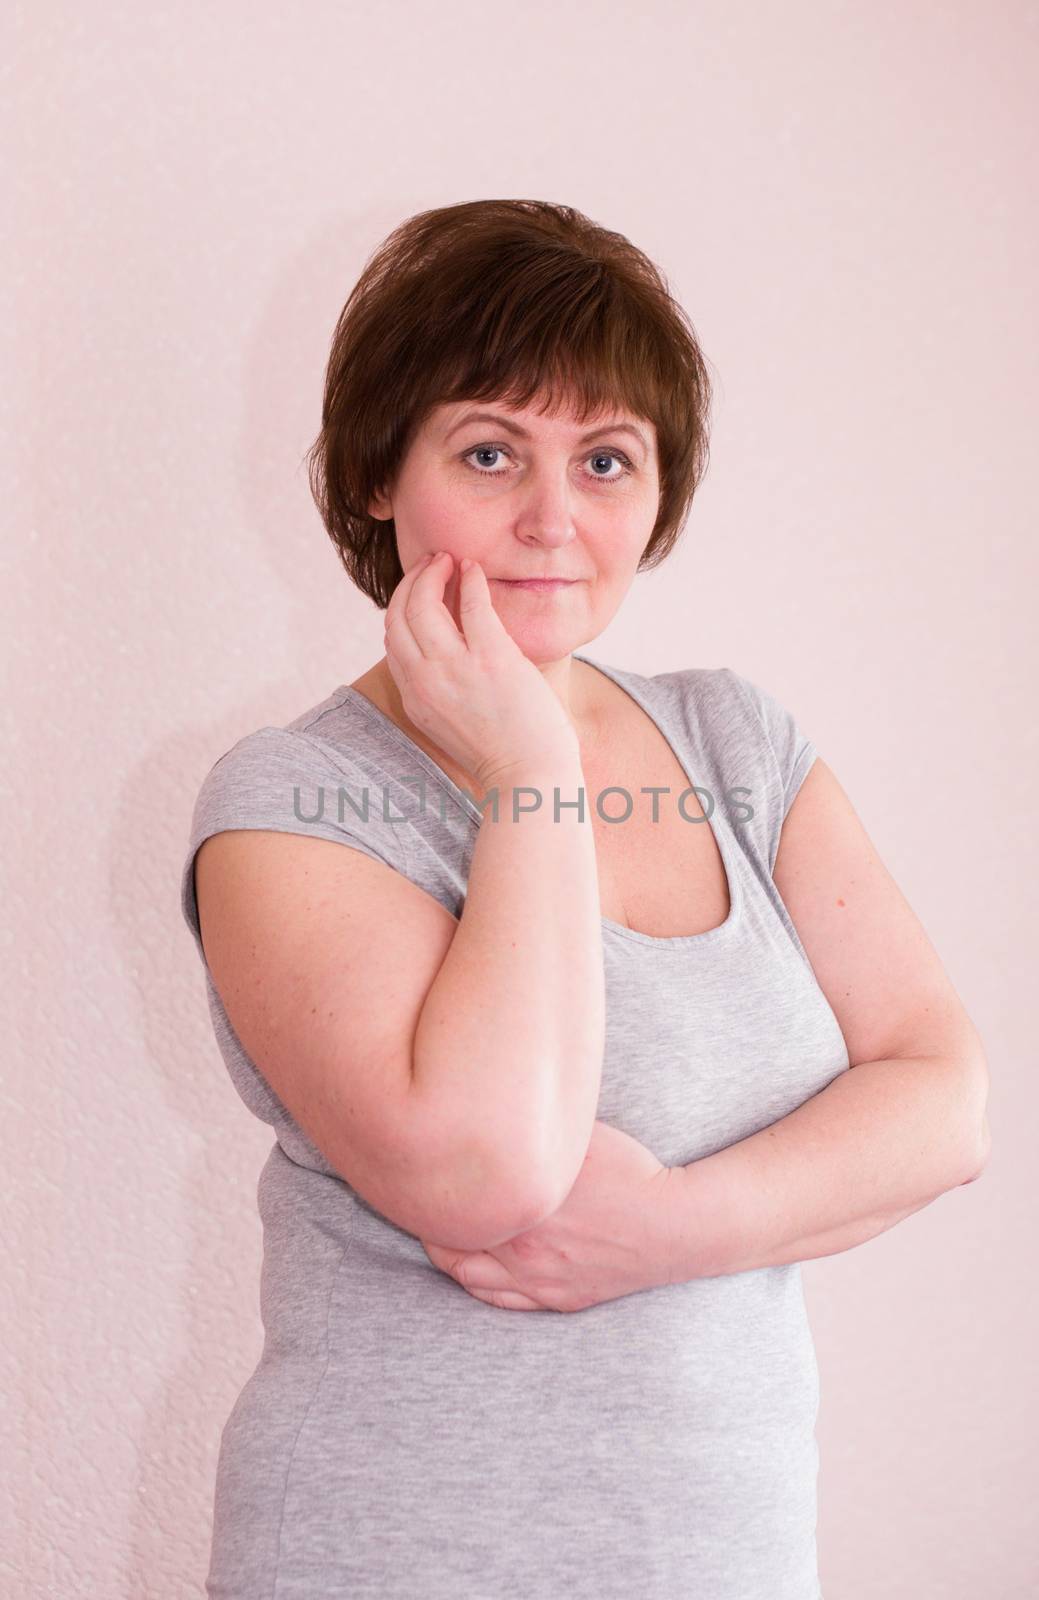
x: 609, y: 1238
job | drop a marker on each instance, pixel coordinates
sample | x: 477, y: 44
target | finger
x: 406, y: 583
x: 506, y: 1300
x: 479, y: 1269
x: 442, y: 1256
x: 481, y: 624
x: 397, y: 637
x: 450, y: 1262
x: 481, y: 1273
x: 427, y: 615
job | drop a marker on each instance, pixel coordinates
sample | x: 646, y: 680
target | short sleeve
x: 790, y: 751
x: 287, y: 781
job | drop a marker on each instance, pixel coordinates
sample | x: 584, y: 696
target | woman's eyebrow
x: 502, y: 421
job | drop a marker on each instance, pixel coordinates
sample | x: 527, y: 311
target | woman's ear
x: 380, y: 506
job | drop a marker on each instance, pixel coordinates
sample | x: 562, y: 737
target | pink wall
x: 843, y: 199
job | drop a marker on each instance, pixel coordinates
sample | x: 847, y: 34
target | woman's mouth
x: 539, y: 585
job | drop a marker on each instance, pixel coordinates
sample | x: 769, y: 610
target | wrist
x: 551, y: 765
x: 690, y: 1224
x: 536, y: 777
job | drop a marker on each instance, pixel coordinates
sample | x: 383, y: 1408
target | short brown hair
x: 500, y: 300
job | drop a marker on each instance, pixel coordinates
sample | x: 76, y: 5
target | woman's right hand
x: 473, y: 692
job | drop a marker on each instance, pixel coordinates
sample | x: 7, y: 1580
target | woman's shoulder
x: 317, y: 774
x: 732, y: 713
x: 747, y: 739
x: 333, y: 739
x: 717, y: 704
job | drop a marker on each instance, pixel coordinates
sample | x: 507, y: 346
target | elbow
x: 979, y: 1154
x: 974, y: 1110
x: 478, y: 1201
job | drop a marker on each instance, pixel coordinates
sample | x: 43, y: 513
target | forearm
x: 881, y: 1141
x: 512, y: 1032
x: 849, y: 1234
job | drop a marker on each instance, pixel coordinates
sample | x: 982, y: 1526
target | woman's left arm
x: 906, y: 1124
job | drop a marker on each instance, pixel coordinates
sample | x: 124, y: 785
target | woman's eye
x: 483, y: 450
x: 598, y: 456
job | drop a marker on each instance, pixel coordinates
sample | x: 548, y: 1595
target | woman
x: 550, y: 1035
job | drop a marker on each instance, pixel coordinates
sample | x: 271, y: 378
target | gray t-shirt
x: 401, y: 1439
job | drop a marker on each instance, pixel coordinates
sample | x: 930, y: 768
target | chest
x: 663, y: 877
x: 659, y: 866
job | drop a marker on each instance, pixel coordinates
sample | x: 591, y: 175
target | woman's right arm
x: 403, y: 1042
x: 448, y: 1070
x: 512, y: 1031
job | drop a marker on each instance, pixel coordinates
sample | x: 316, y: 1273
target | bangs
x: 562, y: 339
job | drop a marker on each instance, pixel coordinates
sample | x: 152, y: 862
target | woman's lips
x: 542, y: 585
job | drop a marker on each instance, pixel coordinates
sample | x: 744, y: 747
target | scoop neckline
x: 722, y: 836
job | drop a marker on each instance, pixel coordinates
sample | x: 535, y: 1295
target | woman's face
x: 531, y: 496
